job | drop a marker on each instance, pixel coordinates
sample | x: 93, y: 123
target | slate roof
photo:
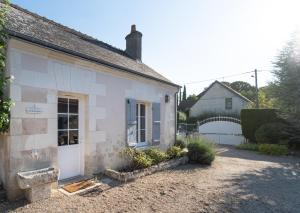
x: 29, y: 26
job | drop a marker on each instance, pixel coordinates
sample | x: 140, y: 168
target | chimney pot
x: 133, y: 28
x: 134, y: 43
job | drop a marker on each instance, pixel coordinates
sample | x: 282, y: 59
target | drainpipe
x: 175, y: 110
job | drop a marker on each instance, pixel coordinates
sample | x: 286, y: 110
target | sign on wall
x: 33, y: 109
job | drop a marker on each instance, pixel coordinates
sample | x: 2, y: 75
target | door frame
x: 81, y: 124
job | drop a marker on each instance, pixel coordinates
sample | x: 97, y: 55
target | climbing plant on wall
x: 5, y: 102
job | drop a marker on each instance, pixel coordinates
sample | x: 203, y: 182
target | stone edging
x: 129, y: 176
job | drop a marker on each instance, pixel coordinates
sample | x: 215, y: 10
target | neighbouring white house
x: 218, y: 98
x: 78, y: 101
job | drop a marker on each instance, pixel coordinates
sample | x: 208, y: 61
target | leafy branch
x: 5, y: 102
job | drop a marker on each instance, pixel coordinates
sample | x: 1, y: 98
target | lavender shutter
x: 155, y: 123
x: 131, y: 123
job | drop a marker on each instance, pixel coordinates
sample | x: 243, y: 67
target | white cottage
x: 78, y: 101
x: 218, y: 98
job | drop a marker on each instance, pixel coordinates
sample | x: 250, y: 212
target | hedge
x: 252, y: 119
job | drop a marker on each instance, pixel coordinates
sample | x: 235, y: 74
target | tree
x: 286, y: 87
x: 244, y: 88
x: 192, y: 97
x: 184, y: 93
x: 265, y: 100
x: 5, y: 102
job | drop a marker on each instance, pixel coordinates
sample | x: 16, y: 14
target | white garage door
x: 222, y: 130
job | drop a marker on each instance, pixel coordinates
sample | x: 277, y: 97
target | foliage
x: 5, y: 102
x: 181, y: 117
x: 292, y: 130
x: 286, y: 85
x: 264, y: 98
x: 180, y: 143
x: 156, y: 155
x: 273, y: 149
x: 248, y: 146
x: 136, y: 158
x: 174, y: 152
x: 184, y: 93
x: 192, y: 97
x: 200, y: 151
x: 243, y: 88
x: 271, y: 133
x: 252, y: 119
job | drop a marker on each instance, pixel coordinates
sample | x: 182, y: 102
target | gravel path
x: 238, y: 181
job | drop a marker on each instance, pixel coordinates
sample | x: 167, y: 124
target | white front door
x: 69, y: 134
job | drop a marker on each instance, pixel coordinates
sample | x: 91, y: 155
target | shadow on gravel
x: 232, y: 152
x: 6, y: 206
x: 272, y: 189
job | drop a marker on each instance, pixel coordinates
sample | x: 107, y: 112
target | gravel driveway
x: 238, y: 181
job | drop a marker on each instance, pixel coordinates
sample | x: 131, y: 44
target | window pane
x: 143, y: 136
x: 73, y: 122
x: 62, y: 138
x: 142, y: 113
x: 228, y: 103
x: 62, y: 121
x: 143, y: 123
x: 73, y: 134
x: 62, y: 106
x: 73, y: 106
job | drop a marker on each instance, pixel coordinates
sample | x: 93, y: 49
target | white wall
x: 41, y: 75
x: 214, y: 101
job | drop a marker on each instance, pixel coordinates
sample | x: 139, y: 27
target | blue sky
x: 187, y: 41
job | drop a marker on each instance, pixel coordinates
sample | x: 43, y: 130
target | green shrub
x: 200, y: 151
x: 272, y: 133
x: 136, y: 158
x: 156, y: 155
x: 273, y: 149
x: 181, y: 117
x: 174, y: 152
x: 252, y: 119
x: 180, y: 143
x: 248, y: 146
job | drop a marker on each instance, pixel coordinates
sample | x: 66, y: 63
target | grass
x: 248, y: 146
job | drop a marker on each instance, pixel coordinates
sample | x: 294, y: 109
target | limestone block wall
x: 41, y: 75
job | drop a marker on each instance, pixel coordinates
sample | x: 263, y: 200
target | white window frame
x: 68, y: 114
x: 138, y: 142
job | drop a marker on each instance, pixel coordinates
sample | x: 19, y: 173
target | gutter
x: 84, y: 56
x: 175, y: 112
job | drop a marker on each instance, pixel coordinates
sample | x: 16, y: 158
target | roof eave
x: 84, y: 56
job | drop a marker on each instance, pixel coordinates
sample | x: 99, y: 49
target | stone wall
x: 41, y: 76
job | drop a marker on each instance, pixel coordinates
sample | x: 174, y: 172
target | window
x: 67, y: 121
x: 141, y: 123
x: 228, y: 103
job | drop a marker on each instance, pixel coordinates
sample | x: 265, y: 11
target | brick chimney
x: 134, y: 44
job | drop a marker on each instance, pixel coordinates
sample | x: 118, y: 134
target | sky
x: 191, y: 42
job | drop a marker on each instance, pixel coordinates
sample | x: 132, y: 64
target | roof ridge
x: 73, y: 31
x: 233, y: 90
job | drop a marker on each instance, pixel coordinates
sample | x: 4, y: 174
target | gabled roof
x: 25, y: 25
x: 226, y: 87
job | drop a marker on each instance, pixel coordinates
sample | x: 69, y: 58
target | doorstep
x: 76, y: 179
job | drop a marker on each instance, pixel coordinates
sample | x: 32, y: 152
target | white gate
x: 222, y: 130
